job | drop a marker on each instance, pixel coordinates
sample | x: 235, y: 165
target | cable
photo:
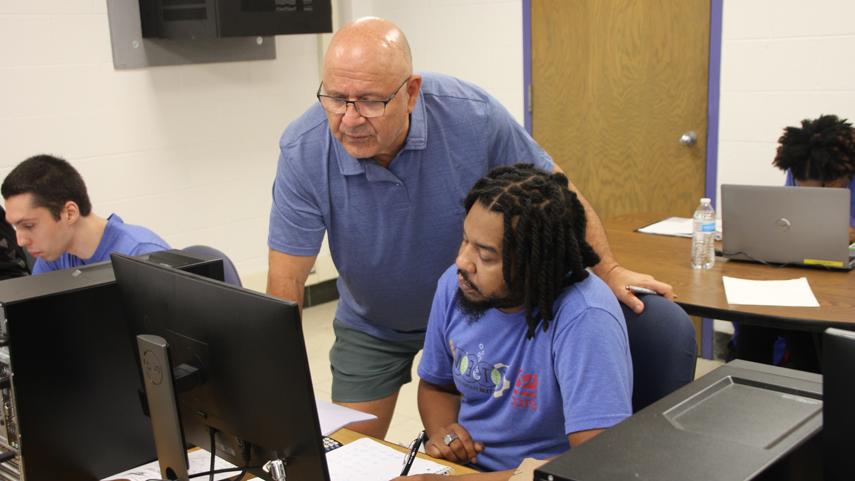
x: 213, y: 433
x: 221, y: 471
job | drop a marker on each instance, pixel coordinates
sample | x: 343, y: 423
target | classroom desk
x: 345, y: 436
x: 701, y: 292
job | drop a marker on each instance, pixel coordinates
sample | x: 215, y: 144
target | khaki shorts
x: 366, y: 368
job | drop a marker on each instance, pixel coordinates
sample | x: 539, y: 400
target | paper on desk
x: 788, y: 293
x: 200, y: 462
x: 676, y: 226
x: 368, y: 460
x: 334, y: 417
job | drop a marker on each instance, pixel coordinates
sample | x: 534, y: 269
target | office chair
x: 230, y: 274
x: 663, y: 349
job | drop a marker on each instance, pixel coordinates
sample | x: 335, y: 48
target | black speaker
x: 233, y: 18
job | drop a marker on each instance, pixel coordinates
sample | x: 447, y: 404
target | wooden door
x: 615, y: 83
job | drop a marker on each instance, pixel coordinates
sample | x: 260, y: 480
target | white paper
x: 200, y: 462
x: 788, y: 293
x: 334, y: 417
x: 368, y: 460
x: 676, y: 226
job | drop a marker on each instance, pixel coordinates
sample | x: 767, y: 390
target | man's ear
x: 70, y: 212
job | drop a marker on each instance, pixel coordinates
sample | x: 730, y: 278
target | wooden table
x: 701, y: 292
x: 345, y: 436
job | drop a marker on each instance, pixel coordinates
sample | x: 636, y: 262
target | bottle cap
x: 705, y: 200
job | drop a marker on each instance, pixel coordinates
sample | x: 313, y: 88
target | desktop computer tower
x: 74, y: 412
x: 744, y: 421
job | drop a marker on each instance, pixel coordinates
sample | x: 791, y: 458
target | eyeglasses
x: 365, y: 108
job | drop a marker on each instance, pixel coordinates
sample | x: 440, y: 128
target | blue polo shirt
x: 791, y: 182
x: 118, y: 237
x: 392, y: 232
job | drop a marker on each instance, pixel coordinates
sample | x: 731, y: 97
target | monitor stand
x: 160, y: 394
x: 160, y: 391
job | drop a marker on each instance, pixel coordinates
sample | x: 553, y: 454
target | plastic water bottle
x: 703, y: 236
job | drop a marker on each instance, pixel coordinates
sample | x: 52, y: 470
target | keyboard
x: 330, y: 444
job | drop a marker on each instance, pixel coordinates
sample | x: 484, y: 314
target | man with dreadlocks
x: 820, y: 154
x: 526, y: 352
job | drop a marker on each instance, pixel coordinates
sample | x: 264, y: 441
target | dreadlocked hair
x: 544, y: 248
x: 822, y: 149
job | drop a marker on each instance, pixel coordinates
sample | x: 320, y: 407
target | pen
x: 411, y: 456
x: 641, y: 290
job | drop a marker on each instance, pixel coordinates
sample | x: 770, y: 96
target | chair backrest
x: 230, y: 274
x: 663, y: 348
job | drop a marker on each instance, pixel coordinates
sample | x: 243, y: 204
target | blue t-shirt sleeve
x: 437, y: 359
x: 146, y: 247
x: 511, y: 144
x: 296, y: 223
x: 593, y: 370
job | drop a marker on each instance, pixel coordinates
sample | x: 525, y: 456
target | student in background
x: 526, y: 353
x: 381, y: 164
x: 47, y: 203
x: 820, y: 153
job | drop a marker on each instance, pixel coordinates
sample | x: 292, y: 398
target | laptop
x: 806, y: 226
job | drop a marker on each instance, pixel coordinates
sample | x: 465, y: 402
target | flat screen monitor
x: 74, y: 378
x: 253, y: 386
x: 838, y: 415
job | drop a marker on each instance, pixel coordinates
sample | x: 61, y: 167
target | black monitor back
x: 75, y: 379
x: 255, y: 387
x: 838, y: 385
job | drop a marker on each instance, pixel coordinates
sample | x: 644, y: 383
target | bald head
x: 371, y: 46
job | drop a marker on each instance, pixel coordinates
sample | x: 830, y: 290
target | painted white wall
x: 782, y: 61
x: 189, y: 151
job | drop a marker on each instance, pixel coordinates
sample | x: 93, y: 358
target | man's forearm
x: 438, y: 407
x: 287, y: 274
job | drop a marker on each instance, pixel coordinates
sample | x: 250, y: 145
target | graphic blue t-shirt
x: 118, y: 237
x: 520, y: 397
x: 392, y: 232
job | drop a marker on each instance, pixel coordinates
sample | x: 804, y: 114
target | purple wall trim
x: 713, y: 98
x: 526, y: 18
x: 707, y: 331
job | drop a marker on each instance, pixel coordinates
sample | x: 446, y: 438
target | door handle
x: 689, y: 138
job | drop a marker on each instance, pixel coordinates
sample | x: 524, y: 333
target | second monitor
x: 252, y: 386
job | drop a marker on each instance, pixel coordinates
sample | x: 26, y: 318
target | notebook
x: 787, y: 225
x: 368, y: 460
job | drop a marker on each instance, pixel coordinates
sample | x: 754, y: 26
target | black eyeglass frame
x: 356, y: 103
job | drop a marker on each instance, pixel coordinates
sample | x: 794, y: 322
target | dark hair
x: 52, y: 182
x: 822, y: 149
x: 544, y: 248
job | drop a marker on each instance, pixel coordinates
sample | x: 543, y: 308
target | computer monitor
x: 838, y: 414
x: 253, y: 386
x: 74, y: 377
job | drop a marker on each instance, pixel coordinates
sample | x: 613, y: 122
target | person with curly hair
x: 820, y: 153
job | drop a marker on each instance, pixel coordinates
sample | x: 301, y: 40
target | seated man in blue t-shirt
x: 47, y: 203
x: 526, y: 353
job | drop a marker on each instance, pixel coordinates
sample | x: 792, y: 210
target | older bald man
x: 382, y: 164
